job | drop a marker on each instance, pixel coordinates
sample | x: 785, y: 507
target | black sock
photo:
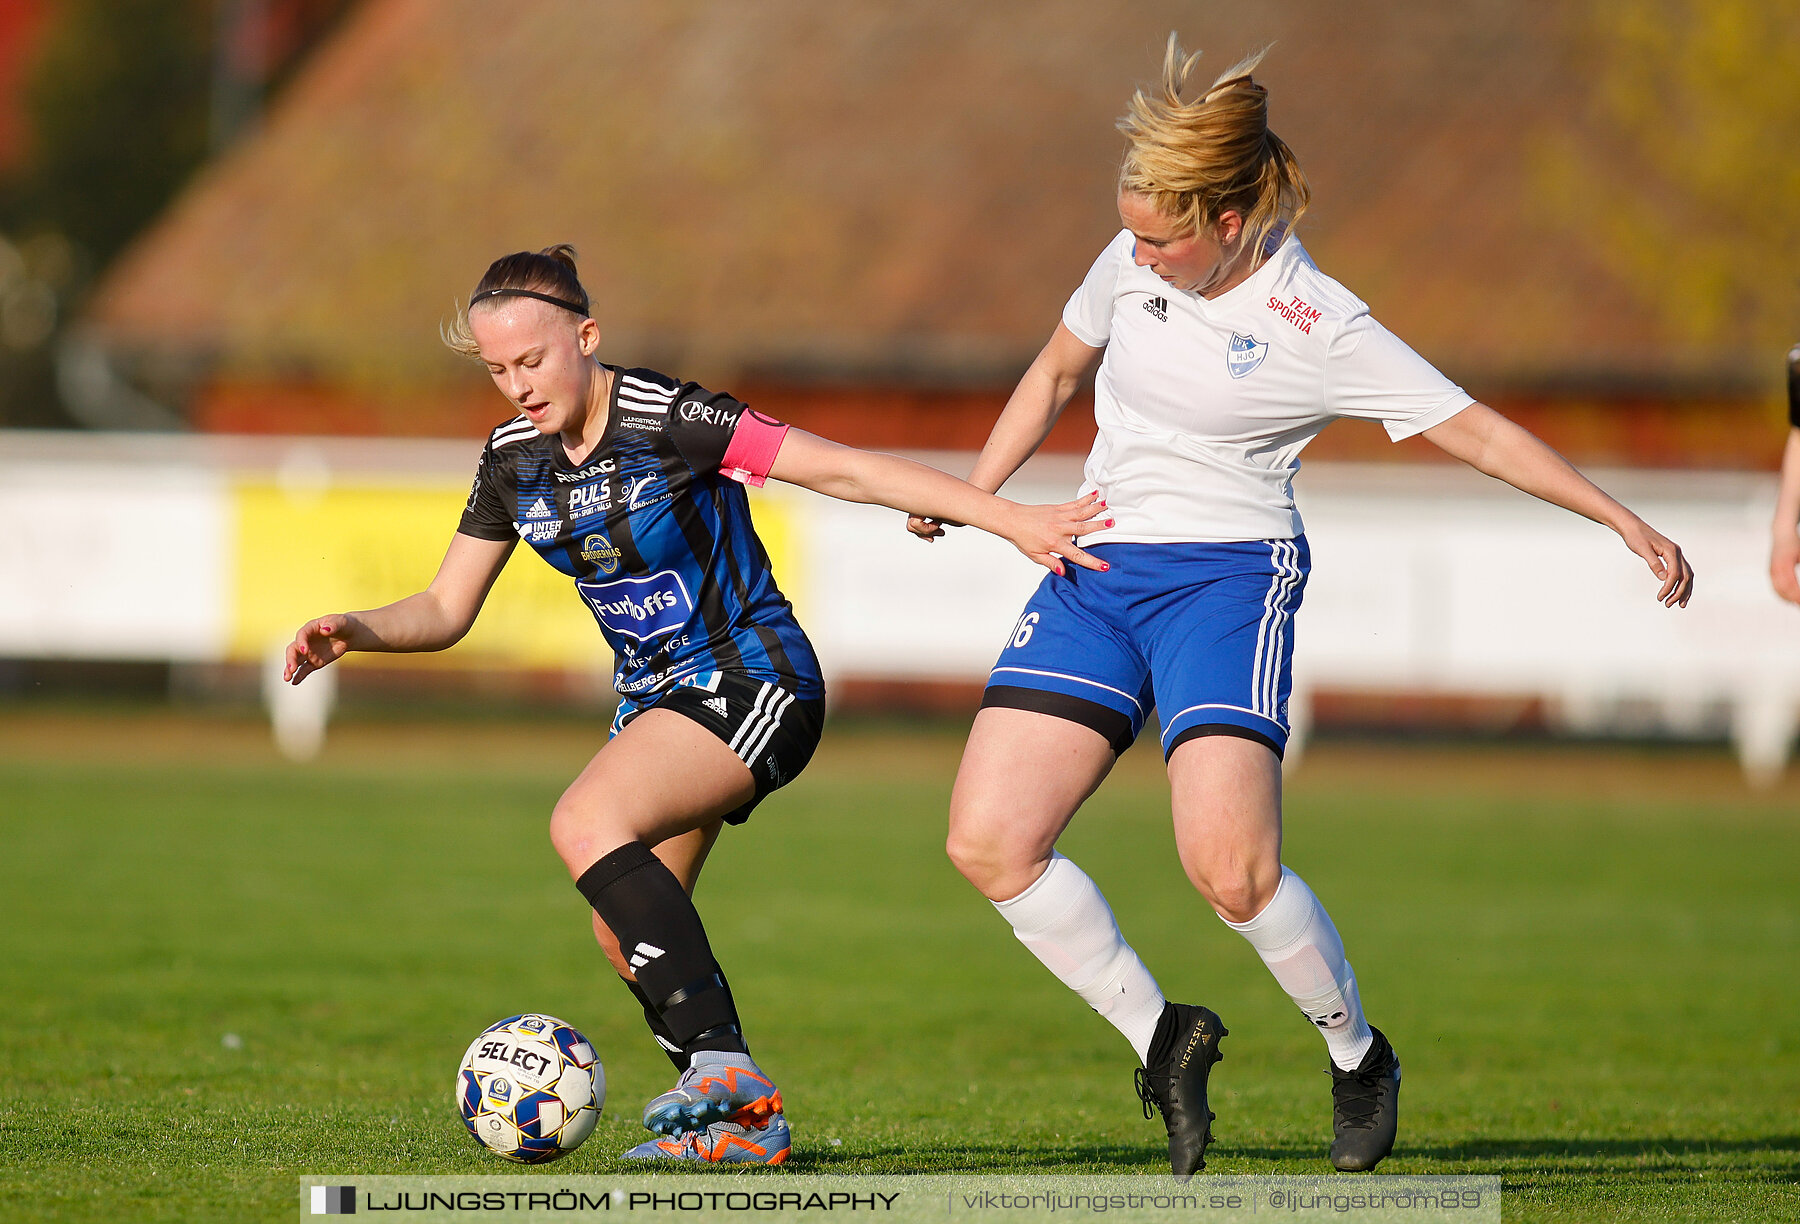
x: 665, y: 1040
x: 660, y: 933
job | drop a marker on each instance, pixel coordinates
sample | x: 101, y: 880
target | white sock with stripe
x: 1298, y: 942
x: 1069, y: 926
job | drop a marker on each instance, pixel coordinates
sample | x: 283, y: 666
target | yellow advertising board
x: 304, y: 552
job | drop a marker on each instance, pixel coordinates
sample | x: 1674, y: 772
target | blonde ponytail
x: 1194, y: 160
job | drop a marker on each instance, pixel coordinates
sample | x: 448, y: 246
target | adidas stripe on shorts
x: 1201, y: 632
x: 767, y: 726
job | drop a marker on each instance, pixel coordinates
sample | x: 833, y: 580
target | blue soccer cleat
x: 723, y: 1143
x: 716, y: 1087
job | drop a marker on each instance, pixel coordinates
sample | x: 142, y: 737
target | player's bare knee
x: 1237, y: 896
x: 582, y: 833
x: 970, y: 855
x: 998, y: 872
x: 967, y: 841
x: 1232, y: 885
x: 1236, y: 906
x: 981, y: 862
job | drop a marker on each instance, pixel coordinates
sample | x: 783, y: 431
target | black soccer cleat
x: 1365, y: 1108
x: 1182, y: 1055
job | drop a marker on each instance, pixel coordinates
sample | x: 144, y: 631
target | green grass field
x: 1587, y: 958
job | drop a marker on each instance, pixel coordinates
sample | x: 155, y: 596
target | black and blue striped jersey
x: 655, y: 537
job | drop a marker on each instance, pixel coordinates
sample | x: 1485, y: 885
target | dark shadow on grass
x: 986, y: 1158
x: 1611, y: 1150
x: 1610, y: 1157
x: 1285, y: 1154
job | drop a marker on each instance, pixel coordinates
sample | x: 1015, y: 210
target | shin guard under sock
x: 665, y: 1040
x: 1068, y: 926
x: 1299, y: 943
x: 663, y: 940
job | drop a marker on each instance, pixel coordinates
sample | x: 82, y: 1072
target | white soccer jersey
x: 1203, y: 406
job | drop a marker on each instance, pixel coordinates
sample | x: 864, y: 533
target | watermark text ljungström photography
x: 779, y: 1195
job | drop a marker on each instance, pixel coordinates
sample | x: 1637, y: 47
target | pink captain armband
x: 752, y: 450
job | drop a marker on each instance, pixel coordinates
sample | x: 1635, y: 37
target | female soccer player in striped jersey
x: 1221, y: 351
x: 630, y: 483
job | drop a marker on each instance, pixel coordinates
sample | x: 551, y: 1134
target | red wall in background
x: 21, y: 22
x: 1717, y: 433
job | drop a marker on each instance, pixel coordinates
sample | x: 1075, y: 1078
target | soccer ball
x: 530, y: 1088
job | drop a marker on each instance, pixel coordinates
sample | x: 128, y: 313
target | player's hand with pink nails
x: 1664, y: 558
x: 1047, y: 534
x: 319, y: 642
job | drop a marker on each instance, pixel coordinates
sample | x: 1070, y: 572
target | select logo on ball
x: 530, y: 1089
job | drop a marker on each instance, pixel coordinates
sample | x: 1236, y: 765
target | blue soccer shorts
x: 1203, y: 633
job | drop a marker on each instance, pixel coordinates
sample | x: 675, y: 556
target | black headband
x: 531, y: 293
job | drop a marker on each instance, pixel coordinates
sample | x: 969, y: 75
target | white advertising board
x: 1425, y: 579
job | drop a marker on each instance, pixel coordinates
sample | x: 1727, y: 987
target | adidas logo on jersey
x: 643, y: 954
x: 717, y: 706
x: 1159, y: 307
x: 540, y: 509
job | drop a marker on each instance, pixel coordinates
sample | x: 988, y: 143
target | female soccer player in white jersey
x: 1221, y: 351
x: 630, y: 483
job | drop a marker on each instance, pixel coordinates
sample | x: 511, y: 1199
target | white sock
x: 1297, y: 941
x: 1069, y: 926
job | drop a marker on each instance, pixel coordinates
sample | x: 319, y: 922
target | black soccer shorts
x: 770, y: 729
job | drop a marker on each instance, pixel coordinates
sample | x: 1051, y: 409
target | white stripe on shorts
x: 1271, y: 633
x: 753, y: 719
x: 1169, y: 723
x: 1289, y: 605
x: 1032, y: 671
x: 777, y: 708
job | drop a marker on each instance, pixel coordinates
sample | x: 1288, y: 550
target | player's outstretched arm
x: 1784, y: 534
x: 1490, y: 443
x: 1025, y: 422
x: 1046, y: 534
x: 432, y: 619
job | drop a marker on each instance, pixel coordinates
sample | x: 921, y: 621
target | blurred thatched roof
x: 809, y: 188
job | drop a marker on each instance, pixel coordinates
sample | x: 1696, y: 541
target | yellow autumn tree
x: 1684, y: 171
